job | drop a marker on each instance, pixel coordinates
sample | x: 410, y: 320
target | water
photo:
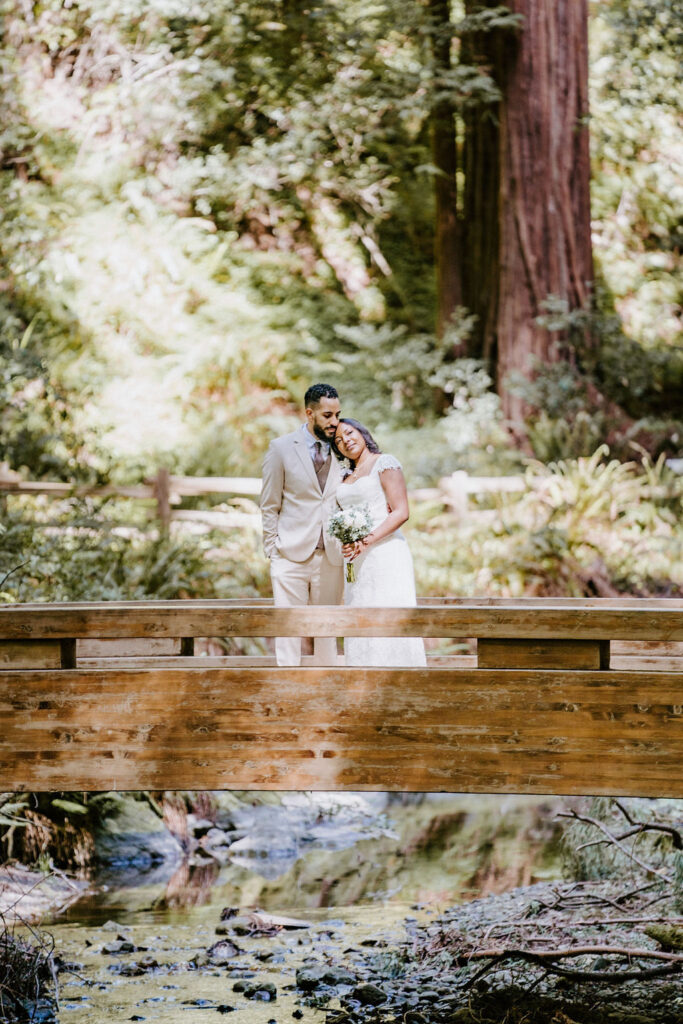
x: 353, y: 866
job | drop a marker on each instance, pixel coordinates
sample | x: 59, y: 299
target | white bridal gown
x: 384, y: 576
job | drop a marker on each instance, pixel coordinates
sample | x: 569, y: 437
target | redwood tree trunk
x: 540, y: 217
x: 444, y: 157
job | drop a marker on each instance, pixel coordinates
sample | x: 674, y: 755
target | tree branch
x: 546, y: 959
x: 616, y: 842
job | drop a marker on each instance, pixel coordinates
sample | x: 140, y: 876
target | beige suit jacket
x: 293, y: 508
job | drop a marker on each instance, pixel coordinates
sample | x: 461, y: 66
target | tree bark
x: 533, y: 232
x: 444, y: 158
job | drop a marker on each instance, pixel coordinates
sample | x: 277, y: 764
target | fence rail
x: 167, y: 490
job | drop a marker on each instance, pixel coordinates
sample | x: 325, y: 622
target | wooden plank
x: 642, y: 603
x: 205, y: 661
x: 134, y: 647
x: 196, y: 485
x: 612, y: 733
x: 649, y: 648
x: 513, y: 653
x: 23, y: 654
x: 67, y: 490
x: 214, y: 618
x: 243, y: 661
x: 645, y: 664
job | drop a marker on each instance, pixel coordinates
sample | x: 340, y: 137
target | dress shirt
x: 311, y: 441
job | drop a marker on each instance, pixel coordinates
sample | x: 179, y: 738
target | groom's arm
x: 272, y: 484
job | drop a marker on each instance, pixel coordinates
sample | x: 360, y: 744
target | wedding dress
x: 384, y: 576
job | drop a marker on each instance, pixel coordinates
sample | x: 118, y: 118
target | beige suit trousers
x: 314, y: 581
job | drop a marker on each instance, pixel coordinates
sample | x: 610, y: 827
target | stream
x: 355, y: 870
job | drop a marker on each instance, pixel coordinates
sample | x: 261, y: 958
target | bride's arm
x: 394, y: 486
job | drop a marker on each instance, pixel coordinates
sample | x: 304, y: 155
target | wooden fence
x: 167, y: 490
x: 555, y: 696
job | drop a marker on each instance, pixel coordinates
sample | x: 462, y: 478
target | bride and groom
x: 305, y: 479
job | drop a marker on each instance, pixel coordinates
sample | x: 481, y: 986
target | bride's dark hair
x: 370, y: 442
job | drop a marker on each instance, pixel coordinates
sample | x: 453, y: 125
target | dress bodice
x: 368, y: 490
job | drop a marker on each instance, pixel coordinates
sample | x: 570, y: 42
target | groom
x: 300, y: 479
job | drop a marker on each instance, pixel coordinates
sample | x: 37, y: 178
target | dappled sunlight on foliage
x: 583, y: 528
x: 206, y: 209
x: 79, y: 551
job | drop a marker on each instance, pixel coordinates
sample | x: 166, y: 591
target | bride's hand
x: 351, y: 551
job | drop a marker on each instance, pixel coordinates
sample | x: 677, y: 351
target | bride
x: 382, y: 559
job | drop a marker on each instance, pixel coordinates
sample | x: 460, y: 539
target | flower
x: 349, y: 525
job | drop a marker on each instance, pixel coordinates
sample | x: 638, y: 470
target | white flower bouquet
x: 349, y: 525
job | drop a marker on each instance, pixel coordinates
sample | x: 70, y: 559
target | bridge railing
x: 550, y: 696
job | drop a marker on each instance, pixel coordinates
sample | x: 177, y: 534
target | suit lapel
x: 302, y: 451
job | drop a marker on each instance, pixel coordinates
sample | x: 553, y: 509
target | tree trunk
x: 444, y: 158
x: 534, y: 232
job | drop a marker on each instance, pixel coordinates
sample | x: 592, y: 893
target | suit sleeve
x: 272, y: 484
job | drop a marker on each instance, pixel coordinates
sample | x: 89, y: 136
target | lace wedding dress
x: 384, y: 576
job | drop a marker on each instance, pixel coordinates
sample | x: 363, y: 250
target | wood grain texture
x: 615, y: 733
x: 550, y: 620
x: 128, y: 647
x: 513, y: 653
x: 17, y: 654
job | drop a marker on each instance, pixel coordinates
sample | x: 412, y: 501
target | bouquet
x: 349, y: 525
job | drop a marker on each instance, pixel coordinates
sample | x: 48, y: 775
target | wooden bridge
x: 545, y: 696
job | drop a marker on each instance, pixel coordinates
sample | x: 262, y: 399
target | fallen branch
x: 615, y: 841
x: 546, y: 959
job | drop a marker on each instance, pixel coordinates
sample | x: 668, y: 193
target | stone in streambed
x: 311, y: 977
x: 122, y: 945
x: 369, y: 995
x: 198, y: 961
x: 223, y: 951
x: 264, y: 991
x: 133, y: 970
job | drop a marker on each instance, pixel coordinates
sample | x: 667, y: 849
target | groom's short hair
x: 316, y: 392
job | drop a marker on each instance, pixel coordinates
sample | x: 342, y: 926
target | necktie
x: 322, y: 469
x: 318, y: 460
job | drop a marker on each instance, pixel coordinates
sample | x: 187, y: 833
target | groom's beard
x: 320, y: 433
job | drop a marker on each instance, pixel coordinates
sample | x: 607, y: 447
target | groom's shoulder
x: 280, y: 444
x: 286, y: 439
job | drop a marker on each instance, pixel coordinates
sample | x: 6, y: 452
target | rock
x: 132, y: 970
x: 265, y: 991
x: 669, y: 936
x: 369, y: 995
x: 130, y: 832
x: 312, y: 976
x: 121, y: 945
x: 258, y: 990
x: 338, y: 976
x: 200, y: 960
x: 308, y: 978
x: 29, y: 894
x: 223, y: 951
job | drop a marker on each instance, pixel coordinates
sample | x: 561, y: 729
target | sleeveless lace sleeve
x: 386, y: 462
